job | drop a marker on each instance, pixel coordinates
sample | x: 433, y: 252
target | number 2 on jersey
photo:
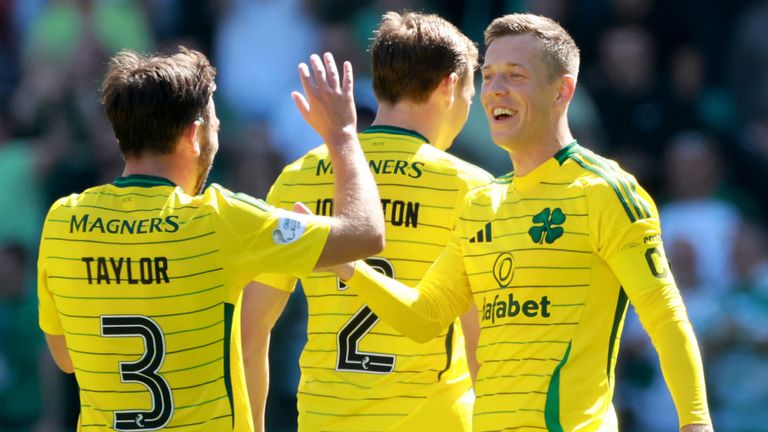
x: 349, y: 357
x: 142, y: 371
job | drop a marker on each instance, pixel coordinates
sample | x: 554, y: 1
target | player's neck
x: 165, y: 166
x: 528, y: 156
x: 406, y: 115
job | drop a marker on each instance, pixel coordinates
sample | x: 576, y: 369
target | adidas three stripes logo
x: 483, y: 236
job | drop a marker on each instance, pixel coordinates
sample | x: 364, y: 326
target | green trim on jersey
x: 256, y: 202
x: 552, y: 406
x: 621, y: 308
x: 611, y: 180
x: 394, y: 130
x: 630, y: 190
x: 141, y: 180
x: 448, y: 351
x: 562, y: 155
x: 505, y: 179
x: 229, y: 312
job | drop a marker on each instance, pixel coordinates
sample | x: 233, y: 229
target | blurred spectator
x: 20, y: 190
x: 738, y: 388
x: 26, y: 370
x: 752, y: 160
x: 252, y: 165
x: 695, y: 212
x: 747, y: 66
x: 64, y: 25
x: 747, y: 62
x: 257, y: 46
x: 9, y: 47
x: 65, y: 50
x: 183, y: 22
x: 629, y: 94
x: 693, y: 104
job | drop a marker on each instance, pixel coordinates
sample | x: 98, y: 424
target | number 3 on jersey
x: 349, y: 358
x: 143, y: 371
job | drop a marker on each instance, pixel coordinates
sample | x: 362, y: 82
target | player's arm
x: 262, y: 305
x: 57, y: 345
x: 644, y: 273
x: 630, y: 242
x: 48, y: 315
x: 357, y: 228
x: 420, y: 313
x: 470, y: 325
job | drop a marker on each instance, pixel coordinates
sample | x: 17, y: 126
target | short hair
x: 561, y: 55
x: 411, y: 53
x: 151, y: 99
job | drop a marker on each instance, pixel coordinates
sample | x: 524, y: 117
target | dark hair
x: 561, y: 55
x: 413, y: 52
x: 150, y: 99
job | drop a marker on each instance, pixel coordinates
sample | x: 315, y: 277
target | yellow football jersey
x: 357, y: 372
x: 142, y: 280
x: 541, y: 256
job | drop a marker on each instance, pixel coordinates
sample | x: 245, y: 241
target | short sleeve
x: 279, y: 281
x: 48, y: 315
x: 258, y: 238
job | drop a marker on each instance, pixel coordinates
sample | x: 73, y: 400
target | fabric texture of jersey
x: 357, y: 372
x: 551, y: 260
x: 142, y: 280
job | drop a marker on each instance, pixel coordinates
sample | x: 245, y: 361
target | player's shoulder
x: 604, y: 180
x: 493, y: 191
x: 592, y: 170
x: 309, y: 158
x: 73, y: 200
x: 314, y: 163
x: 446, y: 163
x: 219, y: 199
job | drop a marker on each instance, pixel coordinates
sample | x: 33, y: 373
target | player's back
x: 144, y: 279
x: 358, y: 373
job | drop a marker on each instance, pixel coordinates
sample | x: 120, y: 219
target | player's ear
x: 190, y: 136
x: 566, y: 89
x: 448, y: 87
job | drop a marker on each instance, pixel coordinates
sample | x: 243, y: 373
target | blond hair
x: 561, y: 55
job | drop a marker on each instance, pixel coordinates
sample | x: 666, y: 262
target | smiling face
x: 518, y: 92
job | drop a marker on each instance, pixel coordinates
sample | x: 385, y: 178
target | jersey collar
x: 141, y: 180
x: 546, y: 170
x: 394, y: 130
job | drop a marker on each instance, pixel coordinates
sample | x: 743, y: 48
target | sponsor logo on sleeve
x: 289, y: 229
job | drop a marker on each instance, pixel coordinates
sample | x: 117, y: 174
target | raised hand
x: 327, y: 104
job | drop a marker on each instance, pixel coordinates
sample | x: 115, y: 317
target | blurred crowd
x: 676, y: 91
